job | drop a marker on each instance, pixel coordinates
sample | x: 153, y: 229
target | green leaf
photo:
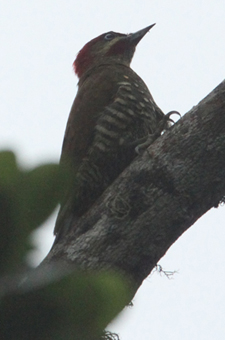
x: 78, y: 306
x: 27, y: 198
x: 42, y: 188
x: 10, y: 214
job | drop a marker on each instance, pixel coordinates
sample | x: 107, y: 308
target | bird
x: 113, y: 110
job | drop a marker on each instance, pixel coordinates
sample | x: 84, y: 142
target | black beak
x: 136, y: 37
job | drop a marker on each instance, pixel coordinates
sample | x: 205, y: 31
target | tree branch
x: 156, y: 199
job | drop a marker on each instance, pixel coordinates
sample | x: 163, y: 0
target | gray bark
x: 156, y: 199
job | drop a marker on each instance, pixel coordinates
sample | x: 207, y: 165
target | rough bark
x: 156, y: 199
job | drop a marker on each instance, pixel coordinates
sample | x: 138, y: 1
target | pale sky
x: 181, y: 60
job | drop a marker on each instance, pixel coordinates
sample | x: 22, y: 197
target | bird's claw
x: 167, y: 116
x: 143, y: 143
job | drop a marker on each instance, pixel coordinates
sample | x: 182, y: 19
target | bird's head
x: 108, y: 48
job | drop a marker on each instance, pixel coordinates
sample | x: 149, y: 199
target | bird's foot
x: 166, y: 119
x: 143, y: 143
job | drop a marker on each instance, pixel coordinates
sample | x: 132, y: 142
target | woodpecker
x: 112, y: 111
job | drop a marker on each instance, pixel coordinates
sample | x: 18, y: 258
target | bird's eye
x: 109, y: 36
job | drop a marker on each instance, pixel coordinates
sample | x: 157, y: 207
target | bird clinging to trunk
x: 112, y: 111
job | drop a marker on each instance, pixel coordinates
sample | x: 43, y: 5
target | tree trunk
x: 156, y: 199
